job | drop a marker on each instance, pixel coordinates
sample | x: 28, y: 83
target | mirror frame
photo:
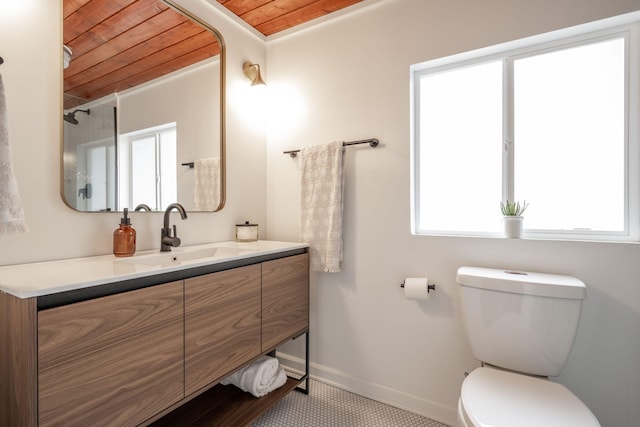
x: 223, y: 127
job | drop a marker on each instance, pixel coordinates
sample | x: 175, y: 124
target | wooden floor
x: 224, y: 406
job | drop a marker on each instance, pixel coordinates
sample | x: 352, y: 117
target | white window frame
x: 625, y: 25
x: 126, y: 166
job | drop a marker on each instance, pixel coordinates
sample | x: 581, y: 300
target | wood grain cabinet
x: 285, y: 299
x: 140, y: 353
x: 115, y: 361
x: 222, y: 324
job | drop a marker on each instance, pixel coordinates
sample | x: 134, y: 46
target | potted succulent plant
x: 512, y: 217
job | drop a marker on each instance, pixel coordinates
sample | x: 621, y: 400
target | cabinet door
x: 116, y: 360
x: 285, y: 299
x: 222, y: 324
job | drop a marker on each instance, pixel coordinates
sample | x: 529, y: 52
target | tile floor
x: 328, y: 406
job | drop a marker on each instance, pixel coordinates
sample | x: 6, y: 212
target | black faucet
x: 142, y: 207
x: 166, y: 240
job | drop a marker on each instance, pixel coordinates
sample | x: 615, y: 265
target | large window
x: 546, y: 123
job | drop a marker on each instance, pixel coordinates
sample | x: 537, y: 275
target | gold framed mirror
x: 143, y: 107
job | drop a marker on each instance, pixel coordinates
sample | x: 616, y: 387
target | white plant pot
x: 513, y: 226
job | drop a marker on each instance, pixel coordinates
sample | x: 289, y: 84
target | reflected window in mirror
x: 147, y: 167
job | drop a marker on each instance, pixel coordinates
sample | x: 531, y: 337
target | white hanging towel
x: 321, y: 204
x: 11, y: 212
x: 206, y: 184
x: 259, y: 377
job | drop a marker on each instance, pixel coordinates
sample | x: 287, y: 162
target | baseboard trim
x: 384, y: 394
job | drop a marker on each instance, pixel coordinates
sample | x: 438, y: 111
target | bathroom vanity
x: 106, y: 341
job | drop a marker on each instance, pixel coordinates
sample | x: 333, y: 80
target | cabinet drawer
x: 116, y: 360
x: 222, y: 324
x: 285, y: 299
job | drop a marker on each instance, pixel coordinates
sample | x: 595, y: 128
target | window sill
x: 534, y: 237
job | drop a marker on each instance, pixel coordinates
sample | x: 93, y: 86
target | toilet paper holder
x: 429, y: 287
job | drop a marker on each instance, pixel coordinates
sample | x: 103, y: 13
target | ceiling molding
x: 234, y: 19
x: 329, y: 18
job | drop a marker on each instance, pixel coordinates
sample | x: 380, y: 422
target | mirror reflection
x: 142, y: 119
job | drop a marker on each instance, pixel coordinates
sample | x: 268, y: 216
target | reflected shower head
x: 71, y: 116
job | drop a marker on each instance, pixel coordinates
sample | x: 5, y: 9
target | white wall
x: 349, y: 79
x: 30, y: 43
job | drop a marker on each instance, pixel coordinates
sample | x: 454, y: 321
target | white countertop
x: 50, y: 277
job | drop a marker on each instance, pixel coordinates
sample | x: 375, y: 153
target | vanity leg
x: 305, y: 378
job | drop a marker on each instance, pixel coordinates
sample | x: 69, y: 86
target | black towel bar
x: 373, y: 142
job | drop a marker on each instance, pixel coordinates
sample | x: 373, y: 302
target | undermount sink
x: 181, y: 255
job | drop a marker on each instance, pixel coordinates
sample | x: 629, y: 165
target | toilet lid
x: 495, y: 398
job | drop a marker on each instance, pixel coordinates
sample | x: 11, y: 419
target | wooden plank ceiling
x: 272, y: 16
x: 118, y: 44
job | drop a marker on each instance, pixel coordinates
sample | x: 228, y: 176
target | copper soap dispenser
x: 124, y: 238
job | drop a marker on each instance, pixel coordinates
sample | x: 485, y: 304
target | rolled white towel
x: 259, y: 377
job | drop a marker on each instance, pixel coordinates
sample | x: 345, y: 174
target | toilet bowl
x: 521, y: 325
x: 492, y: 398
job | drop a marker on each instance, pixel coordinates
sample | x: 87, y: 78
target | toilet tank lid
x: 522, y: 282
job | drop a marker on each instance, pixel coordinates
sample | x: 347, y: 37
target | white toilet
x: 521, y: 326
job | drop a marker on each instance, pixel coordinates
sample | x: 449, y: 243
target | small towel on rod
x: 321, y: 204
x: 11, y: 212
x: 206, y: 184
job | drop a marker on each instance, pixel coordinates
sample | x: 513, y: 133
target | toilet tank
x: 522, y: 321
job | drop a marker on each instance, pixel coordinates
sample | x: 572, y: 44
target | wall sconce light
x: 252, y: 73
x: 66, y: 56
